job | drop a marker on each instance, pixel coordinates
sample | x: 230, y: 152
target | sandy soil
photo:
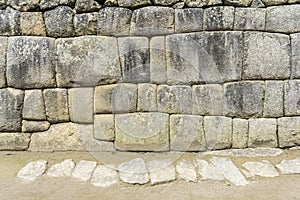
x: 283, y: 187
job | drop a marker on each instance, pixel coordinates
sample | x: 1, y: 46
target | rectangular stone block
x: 200, y: 4
x: 218, y: 132
x: 291, y: 98
x: 218, y: 18
x: 250, y: 19
x: 10, y: 22
x: 186, y: 133
x: 288, y: 131
x: 238, y: 2
x: 14, y: 141
x: 239, y: 133
x: 262, y: 133
x: 208, y: 99
x: 86, y: 24
x: 104, y: 127
x: 174, y: 99
x: 244, y: 99
x: 32, y: 23
x: 142, y: 132
x: 134, y: 3
x: 34, y: 126
x: 273, y: 102
x: 34, y: 107
x: 274, y: 2
x: 147, y: 98
x: 295, y: 45
x: 188, y: 20
x: 30, y: 62
x: 3, y: 52
x: 158, y: 68
x: 267, y: 56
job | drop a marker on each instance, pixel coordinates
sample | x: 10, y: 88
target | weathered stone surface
x: 104, y: 127
x: 262, y: 133
x: 116, y: 98
x: 10, y: 22
x: 188, y: 20
x: 239, y: 133
x: 267, y: 56
x: 23, y: 5
x: 209, y: 57
x: 208, y: 171
x: 11, y: 104
x: 289, y: 166
x: 3, y: 4
x: 202, y: 3
x: 34, y: 108
x: 3, y: 48
x: 86, y: 24
x: 274, y: 2
x: 263, y: 168
x: 283, y: 19
x: 56, y: 102
x: 84, y: 169
x: 34, y: 126
x: 32, y: 23
x: 179, y: 5
x: 186, y: 133
x: 257, y: 4
x: 249, y: 152
x: 134, y: 3
x: 142, y: 131
x: 87, y: 61
x: 114, y: 21
x: 152, y: 20
x: 134, y: 172
x: 218, y: 132
x: 105, y: 176
x: 218, y: 18
x: 14, y: 141
x: 291, y: 98
x: 244, y: 99
x: 161, y: 171
x: 46, y: 4
x: 273, y: 102
x: 208, y: 99
x: 81, y: 105
x: 238, y: 2
x: 250, y: 19
x: 288, y: 131
x: 147, y: 101
x: 32, y: 170
x: 30, y: 62
x: 295, y: 45
x: 174, y: 99
x: 158, y: 66
x: 59, y: 22
x: 229, y: 170
x: 165, y: 2
x: 186, y: 171
x: 63, y: 168
x: 86, y: 6
x: 111, y: 3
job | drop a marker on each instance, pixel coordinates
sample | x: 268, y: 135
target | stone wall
x: 141, y: 75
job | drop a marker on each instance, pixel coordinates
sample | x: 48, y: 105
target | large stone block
x: 295, y: 43
x: 262, y: 133
x: 267, y: 56
x: 24, y: 5
x: 244, y: 99
x: 114, y: 21
x: 250, y: 19
x: 201, y: 3
x: 32, y: 23
x: 11, y: 104
x: 218, y: 132
x: 104, y: 127
x: 87, y: 61
x: 273, y: 102
x: 239, y: 133
x: 292, y: 98
x: 209, y: 57
x: 34, y: 108
x: 152, y: 20
x: 188, y: 20
x: 30, y: 62
x: 147, y: 98
x: 158, y: 68
x: 218, y: 18
x: 142, y: 132
x: 86, y: 24
x: 9, y: 22
x: 134, y: 3
x: 3, y: 52
x: 59, y: 22
x: 134, y: 57
x: 34, y: 126
x: 186, y: 133
x: 288, y: 131
x: 14, y: 141
x: 283, y: 18
x: 208, y: 99
x: 174, y: 99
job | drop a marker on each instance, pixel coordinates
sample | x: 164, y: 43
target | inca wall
x: 149, y: 75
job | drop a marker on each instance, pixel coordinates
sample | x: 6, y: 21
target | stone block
x: 84, y: 169
x: 134, y: 3
x: 186, y: 133
x: 134, y: 171
x: 34, y: 108
x: 238, y: 2
x: 30, y: 62
x: 267, y: 56
x: 262, y: 133
x: 158, y: 68
x: 291, y: 98
x: 142, y: 132
x: 201, y: 3
x: 86, y: 24
x: 32, y: 23
x: 161, y: 171
x: 207, y: 171
x: 3, y: 52
x: 174, y: 99
x: 3, y: 4
x: 61, y: 169
x: 274, y: 2
x: 188, y: 20
x: 32, y: 170
x: 11, y: 104
x: 208, y: 99
x: 244, y: 99
x: 147, y: 98
x: 56, y: 103
x: 295, y: 45
x: 257, y: 4
x: 87, y: 61
x: 24, y: 5
x: 273, y: 102
x: 152, y: 20
x: 114, y: 21
x: 86, y: 6
x: 250, y: 19
x: 186, y: 170
x: 283, y: 18
x: 239, y: 133
x: 288, y: 131
x: 59, y: 22
x: 218, y: 18
x: 46, y: 4
x: 105, y: 176
x: 263, y: 168
x: 218, y: 132
x: 165, y: 2
x: 104, y: 127
x: 9, y: 22
x: 34, y: 126
x: 14, y: 141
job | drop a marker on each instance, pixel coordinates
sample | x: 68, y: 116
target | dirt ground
x: 283, y: 187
